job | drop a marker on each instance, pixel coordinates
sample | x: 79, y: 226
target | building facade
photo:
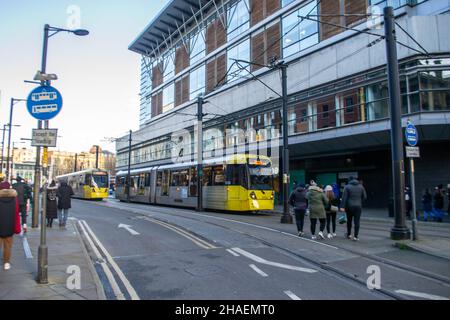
x: 337, y: 86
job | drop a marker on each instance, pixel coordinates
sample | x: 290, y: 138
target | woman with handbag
x: 331, y: 210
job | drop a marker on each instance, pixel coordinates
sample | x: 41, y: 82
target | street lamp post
x: 42, y: 274
x: 13, y: 102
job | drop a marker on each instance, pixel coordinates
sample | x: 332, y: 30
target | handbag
x: 343, y: 218
x: 334, y: 209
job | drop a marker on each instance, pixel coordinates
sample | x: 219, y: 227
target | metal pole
x: 399, y: 231
x: 42, y: 275
x: 75, y: 165
x: 3, y: 147
x: 37, y: 184
x: 413, y: 198
x: 286, y: 217
x: 129, y: 166
x: 9, y: 138
x: 96, y: 157
x: 200, y: 153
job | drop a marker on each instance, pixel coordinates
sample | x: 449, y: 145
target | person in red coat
x: 9, y: 221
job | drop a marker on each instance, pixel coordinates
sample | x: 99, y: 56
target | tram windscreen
x: 261, y: 177
x: 100, y: 180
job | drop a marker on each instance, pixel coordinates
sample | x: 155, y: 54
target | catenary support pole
x: 7, y: 171
x: 399, y: 231
x: 413, y: 199
x: 286, y: 217
x: 200, y: 153
x: 129, y: 166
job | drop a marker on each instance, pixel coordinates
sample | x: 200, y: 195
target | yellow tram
x: 91, y: 184
x: 241, y: 183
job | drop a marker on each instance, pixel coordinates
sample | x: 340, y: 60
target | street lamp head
x: 44, y: 76
x: 81, y: 32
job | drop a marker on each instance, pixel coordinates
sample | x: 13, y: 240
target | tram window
x: 219, y: 176
x: 207, y: 176
x: 147, y: 179
x: 87, y: 180
x: 179, y: 178
x: 165, y: 183
x: 159, y: 179
x: 236, y: 175
x: 142, y: 180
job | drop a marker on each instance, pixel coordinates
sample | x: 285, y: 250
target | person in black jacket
x: 352, y: 199
x: 332, y: 210
x: 64, y: 195
x: 298, y: 200
x: 23, y: 195
x: 52, y: 207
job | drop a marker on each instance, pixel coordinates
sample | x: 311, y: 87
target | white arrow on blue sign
x: 412, y: 136
x: 44, y: 103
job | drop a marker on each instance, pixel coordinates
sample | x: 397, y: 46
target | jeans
x: 331, y: 220
x: 353, y: 213
x: 23, y: 213
x: 300, y: 218
x: 313, y: 225
x: 63, y: 214
x: 6, y: 243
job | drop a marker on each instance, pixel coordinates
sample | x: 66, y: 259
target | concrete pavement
x: 66, y: 254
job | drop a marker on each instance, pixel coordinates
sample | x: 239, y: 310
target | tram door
x: 237, y: 180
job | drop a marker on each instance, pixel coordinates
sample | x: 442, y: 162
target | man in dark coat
x: 24, y: 194
x: 298, y: 200
x: 52, y: 207
x: 9, y: 221
x: 352, y: 199
x: 64, y: 195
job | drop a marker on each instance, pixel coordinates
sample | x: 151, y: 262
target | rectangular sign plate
x: 412, y: 152
x: 44, y: 137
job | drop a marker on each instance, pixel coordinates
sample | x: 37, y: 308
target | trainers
x: 24, y: 228
x: 7, y: 266
x: 301, y: 233
x: 329, y: 236
x: 355, y: 239
x: 334, y: 234
x: 313, y: 237
x: 321, y: 235
x: 348, y: 236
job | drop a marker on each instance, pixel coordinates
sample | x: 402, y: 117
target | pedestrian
x: 23, y: 195
x: 64, y: 194
x: 52, y: 207
x: 438, y: 203
x: 408, y: 202
x: 9, y: 221
x: 427, y: 204
x: 298, y: 200
x: 331, y: 210
x: 354, y: 195
x: 448, y: 196
x: 317, y: 203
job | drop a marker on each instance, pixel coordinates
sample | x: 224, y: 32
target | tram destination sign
x: 44, y: 137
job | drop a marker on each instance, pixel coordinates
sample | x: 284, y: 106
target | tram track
x: 323, y: 266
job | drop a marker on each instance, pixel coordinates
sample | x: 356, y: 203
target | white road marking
x: 126, y: 283
x: 233, y: 253
x: 200, y: 242
x: 258, y: 270
x: 421, y: 295
x: 271, y: 263
x: 26, y: 248
x: 291, y: 295
x: 112, y: 281
x: 128, y: 228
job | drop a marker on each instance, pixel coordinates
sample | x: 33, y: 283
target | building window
x: 197, y: 82
x: 286, y: 2
x: 168, y: 98
x: 238, y: 18
x: 298, y: 35
x: 392, y: 3
x: 169, y: 66
x: 197, y: 46
x: 241, y: 52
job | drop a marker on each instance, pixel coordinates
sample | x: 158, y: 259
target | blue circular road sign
x: 412, y: 136
x: 44, y: 102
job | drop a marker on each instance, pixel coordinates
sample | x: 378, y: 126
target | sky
x: 98, y: 76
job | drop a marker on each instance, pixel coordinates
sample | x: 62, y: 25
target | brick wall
x: 265, y: 45
x: 157, y: 104
x: 182, y: 90
x: 216, y: 69
x: 157, y: 76
x: 181, y: 59
x: 261, y: 9
x: 216, y: 35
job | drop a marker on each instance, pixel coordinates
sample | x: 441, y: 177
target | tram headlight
x: 253, y: 195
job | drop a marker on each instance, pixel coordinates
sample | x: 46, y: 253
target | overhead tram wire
x: 414, y: 40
